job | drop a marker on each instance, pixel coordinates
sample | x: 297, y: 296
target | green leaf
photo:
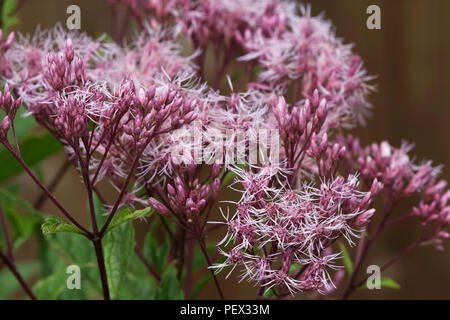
x: 126, y: 215
x: 257, y: 70
x: 52, y: 286
x: 22, y: 126
x: 54, y: 224
x: 22, y: 225
x: 294, y: 267
x: 50, y: 261
x: 8, y: 20
x: 199, y: 260
x: 34, y: 149
x: 229, y: 177
x: 9, y: 284
x: 118, y: 248
x: 389, y: 283
x: 80, y: 251
x: 74, y: 294
x: 155, y: 254
x: 200, y: 285
x: 100, y: 210
x: 2, y: 240
x: 385, y: 282
x: 169, y: 288
x: 346, y: 258
x: 237, y: 76
x: 138, y: 288
x: 269, y: 293
x: 8, y: 7
x: 138, y: 285
x: 199, y: 263
x: 53, y: 263
x: 11, y: 195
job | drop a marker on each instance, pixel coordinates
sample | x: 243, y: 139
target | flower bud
x: 322, y: 110
x: 171, y: 190
x: 69, y: 52
x: 8, y: 41
x: 323, y: 143
x: 215, y: 171
x: 364, y: 217
x: 142, y: 97
x: 315, y: 98
x: 5, y: 125
x: 159, y: 207
x: 216, y: 188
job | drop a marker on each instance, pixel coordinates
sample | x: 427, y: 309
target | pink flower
x: 294, y: 227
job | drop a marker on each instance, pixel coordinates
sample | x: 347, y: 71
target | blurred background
x: 410, y: 56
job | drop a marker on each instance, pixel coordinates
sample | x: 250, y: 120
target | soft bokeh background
x: 411, y: 57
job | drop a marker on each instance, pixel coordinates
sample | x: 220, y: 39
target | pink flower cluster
x: 117, y: 125
x: 290, y: 47
x: 118, y: 110
x: 184, y: 201
x: 278, y: 225
x: 402, y: 178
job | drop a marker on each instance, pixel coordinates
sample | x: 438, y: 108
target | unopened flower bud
x: 142, y: 97
x: 8, y: 41
x: 159, y: 207
x: 364, y: 217
x: 171, y: 190
x: 322, y: 110
x: 190, y: 204
x: 5, y: 125
x: 315, y: 98
x: 323, y: 143
x: 216, y: 188
x: 376, y: 187
x: 69, y: 52
x: 201, y: 204
x: 151, y: 92
x: 204, y: 192
x: 215, y: 171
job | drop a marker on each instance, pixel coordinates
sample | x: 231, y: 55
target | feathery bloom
x: 402, y: 178
x: 131, y: 112
x: 275, y: 224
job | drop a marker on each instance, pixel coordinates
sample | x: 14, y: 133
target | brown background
x: 411, y: 57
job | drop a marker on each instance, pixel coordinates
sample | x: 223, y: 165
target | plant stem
x: 91, y: 205
x: 399, y: 219
x: 16, y: 144
x: 119, y: 198
x: 182, y: 252
x: 260, y: 292
x: 365, y: 249
x: 52, y: 185
x: 208, y: 260
x: 189, y: 257
x: 12, y: 266
x: 6, y: 233
x: 46, y: 191
x: 393, y: 260
x: 96, y: 237
x: 150, y: 268
x: 101, y: 265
